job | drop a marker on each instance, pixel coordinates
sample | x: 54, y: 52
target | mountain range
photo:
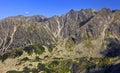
x: 84, y: 41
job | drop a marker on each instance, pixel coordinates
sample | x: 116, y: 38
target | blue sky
x: 51, y: 7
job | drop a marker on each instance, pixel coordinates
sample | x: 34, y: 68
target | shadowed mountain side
x: 113, y: 48
x: 108, y: 69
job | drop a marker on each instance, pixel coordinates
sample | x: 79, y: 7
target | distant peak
x: 38, y: 16
x: 105, y: 9
x: 72, y: 10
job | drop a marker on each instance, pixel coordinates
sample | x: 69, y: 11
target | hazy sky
x: 51, y: 7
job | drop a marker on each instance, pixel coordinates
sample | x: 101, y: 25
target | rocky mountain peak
x: 38, y: 18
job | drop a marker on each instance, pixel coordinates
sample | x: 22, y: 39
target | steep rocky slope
x: 85, y: 41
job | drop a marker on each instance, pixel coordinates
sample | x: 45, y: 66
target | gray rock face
x: 20, y: 31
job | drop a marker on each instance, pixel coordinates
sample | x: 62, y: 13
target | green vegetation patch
x: 13, y: 54
x: 59, y: 67
x: 25, y: 59
x: 69, y: 66
x: 18, y: 53
x: 14, y: 71
x: 37, y: 59
x: 37, y: 49
x: 4, y: 57
x: 51, y: 47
